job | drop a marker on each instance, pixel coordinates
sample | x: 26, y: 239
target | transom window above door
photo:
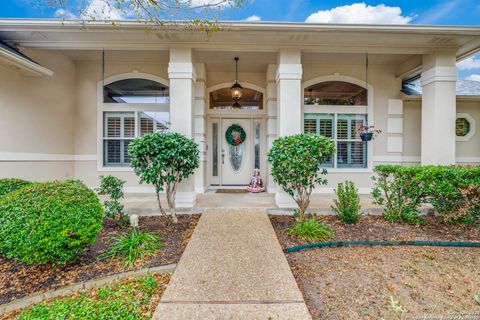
x: 222, y: 99
x: 335, y: 93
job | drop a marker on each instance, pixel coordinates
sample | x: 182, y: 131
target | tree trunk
x: 162, y: 212
x: 171, y: 192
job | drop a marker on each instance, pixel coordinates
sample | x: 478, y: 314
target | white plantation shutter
x: 146, y: 125
x: 119, y: 129
x: 310, y: 126
x: 351, y: 152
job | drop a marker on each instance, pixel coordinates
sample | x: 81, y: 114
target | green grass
x: 133, y: 246
x: 310, y: 230
x: 127, y: 300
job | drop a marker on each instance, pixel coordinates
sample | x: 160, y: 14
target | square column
x: 289, y: 105
x: 439, y: 77
x: 200, y: 125
x: 181, y: 73
x: 271, y: 98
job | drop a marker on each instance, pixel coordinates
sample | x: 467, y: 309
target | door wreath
x: 235, y: 135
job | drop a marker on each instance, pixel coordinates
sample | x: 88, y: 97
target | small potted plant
x: 368, y: 133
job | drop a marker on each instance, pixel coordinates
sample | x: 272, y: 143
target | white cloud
x: 253, y: 18
x: 469, y: 64
x: 360, y: 13
x: 102, y: 10
x: 474, y: 77
x: 65, y: 14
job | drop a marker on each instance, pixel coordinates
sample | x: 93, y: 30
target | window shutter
x: 128, y: 126
x: 310, y: 125
x: 326, y: 127
x: 146, y: 125
x: 113, y: 126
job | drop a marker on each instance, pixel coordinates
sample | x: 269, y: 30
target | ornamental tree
x: 296, y: 165
x: 164, y: 160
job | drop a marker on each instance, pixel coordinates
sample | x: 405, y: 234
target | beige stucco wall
x: 36, y: 117
x: 464, y: 150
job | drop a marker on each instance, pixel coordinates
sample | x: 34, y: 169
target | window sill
x: 349, y: 170
x: 115, y: 169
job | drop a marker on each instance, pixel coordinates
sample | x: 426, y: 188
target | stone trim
x: 84, y: 285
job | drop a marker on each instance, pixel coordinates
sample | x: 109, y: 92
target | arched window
x: 335, y: 93
x: 131, y: 107
x: 143, y: 91
x: 222, y: 99
x: 337, y: 109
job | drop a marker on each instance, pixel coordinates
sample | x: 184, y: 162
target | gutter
x: 59, y: 24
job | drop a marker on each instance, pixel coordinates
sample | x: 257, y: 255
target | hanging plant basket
x: 366, y: 136
x: 235, y: 135
x: 368, y: 133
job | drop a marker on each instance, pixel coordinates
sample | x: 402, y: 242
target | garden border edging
x: 83, y: 285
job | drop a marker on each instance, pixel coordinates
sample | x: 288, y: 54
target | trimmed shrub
x: 11, y: 184
x: 310, y: 230
x: 347, y: 207
x: 395, y: 191
x: 295, y: 165
x: 50, y: 222
x: 164, y: 160
x: 111, y: 186
x: 451, y: 190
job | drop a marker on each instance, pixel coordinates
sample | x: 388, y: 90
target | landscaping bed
x: 389, y: 282
x: 378, y: 229
x: 19, y: 280
x: 131, y: 298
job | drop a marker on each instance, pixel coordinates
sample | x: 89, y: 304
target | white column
x: 438, y: 108
x: 200, y: 125
x: 181, y: 73
x: 271, y: 96
x: 289, y: 104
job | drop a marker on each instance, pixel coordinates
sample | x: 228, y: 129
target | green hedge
x: 50, y: 222
x: 454, y: 191
x: 11, y: 184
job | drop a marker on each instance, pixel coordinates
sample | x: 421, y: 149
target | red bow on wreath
x: 237, y: 140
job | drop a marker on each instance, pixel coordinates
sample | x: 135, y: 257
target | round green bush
x: 50, y: 222
x: 11, y: 184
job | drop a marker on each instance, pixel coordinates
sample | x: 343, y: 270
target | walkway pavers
x: 233, y: 268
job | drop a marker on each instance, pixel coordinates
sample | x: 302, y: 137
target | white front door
x: 236, y: 160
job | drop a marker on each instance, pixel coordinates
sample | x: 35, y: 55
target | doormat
x: 231, y: 191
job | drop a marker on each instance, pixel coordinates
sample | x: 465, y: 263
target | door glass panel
x: 215, y: 150
x: 236, y: 156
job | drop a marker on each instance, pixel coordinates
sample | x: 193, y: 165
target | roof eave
x: 22, y: 64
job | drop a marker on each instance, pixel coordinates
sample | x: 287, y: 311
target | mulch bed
x: 19, y: 280
x: 376, y: 228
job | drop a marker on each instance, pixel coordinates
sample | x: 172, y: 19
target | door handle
x: 223, y: 156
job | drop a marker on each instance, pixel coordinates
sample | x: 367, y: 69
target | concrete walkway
x: 233, y: 268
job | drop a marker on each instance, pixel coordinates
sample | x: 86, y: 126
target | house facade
x: 72, y: 96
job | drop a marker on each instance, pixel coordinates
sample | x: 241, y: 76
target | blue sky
x: 436, y: 12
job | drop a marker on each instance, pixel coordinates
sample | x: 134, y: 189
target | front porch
x: 145, y: 205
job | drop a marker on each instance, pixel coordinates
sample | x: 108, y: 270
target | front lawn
x: 388, y: 282
x: 19, y: 279
x: 134, y: 298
